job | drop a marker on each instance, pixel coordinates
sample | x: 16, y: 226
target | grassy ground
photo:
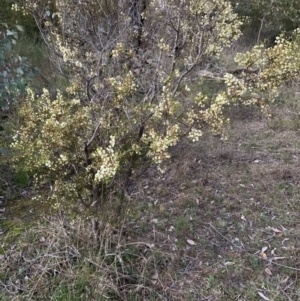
x: 238, y: 202
x: 221, y: 224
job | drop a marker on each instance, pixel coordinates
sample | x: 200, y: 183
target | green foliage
x: 12, y: 70
x: 274, y: 17
x: 21, y: 177
x: 73, y: 292
x: 11, y: 18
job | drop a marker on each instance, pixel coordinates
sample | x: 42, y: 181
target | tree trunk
x: 137, y: 7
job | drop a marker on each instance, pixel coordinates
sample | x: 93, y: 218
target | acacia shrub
x: 130, y: 98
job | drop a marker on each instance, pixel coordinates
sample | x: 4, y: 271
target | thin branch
x: 248, y: 253
x: 260, y: 29
x: 43, y: 36
x: 87, y: 144
x: 181, y: 78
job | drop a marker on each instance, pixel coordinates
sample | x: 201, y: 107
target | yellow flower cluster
x: 235, y: 86
x: 159, y: 144
x: 162, y: 45
x: 105, y: 162
x: 51, y: 133
x: 118, y: 50
x: 274, y: 66
x: 195, y: 134
x: 17, y: 8
x: 123, y: 86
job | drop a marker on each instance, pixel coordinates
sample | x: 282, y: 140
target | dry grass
x: 236, y: 201
x: 63, y: 260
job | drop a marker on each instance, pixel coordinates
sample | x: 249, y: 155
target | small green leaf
x: 4, y: 105
x: 5, y: 82
x: 20, y: 71
x: 30, y: 74
x: 22, y: 59
x: 13, y: 86
x: 8, y: 46
x: 3, y: 151
x: 19, y: 27
x: 10, y: 32
x: 21, y: 86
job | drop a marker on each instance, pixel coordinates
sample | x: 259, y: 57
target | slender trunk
x: 137, y: 7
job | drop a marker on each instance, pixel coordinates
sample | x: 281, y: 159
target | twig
x: 261, y: 26
x: 112, y: 272
x: 10, y: 292
x: 226, y: 238
x: 278, y: 264
x: 94, y: 134
x: 4, y: 232
x: 286, y: 295
x: 248, y: 253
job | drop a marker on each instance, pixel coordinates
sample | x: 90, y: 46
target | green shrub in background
x: 13, y: 69
x: 269, y: 18
x: 11, y: 17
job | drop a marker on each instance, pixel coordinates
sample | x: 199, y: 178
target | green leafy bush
x: 10, y: 17
x: 269, y: 18
x: 13, y: 69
